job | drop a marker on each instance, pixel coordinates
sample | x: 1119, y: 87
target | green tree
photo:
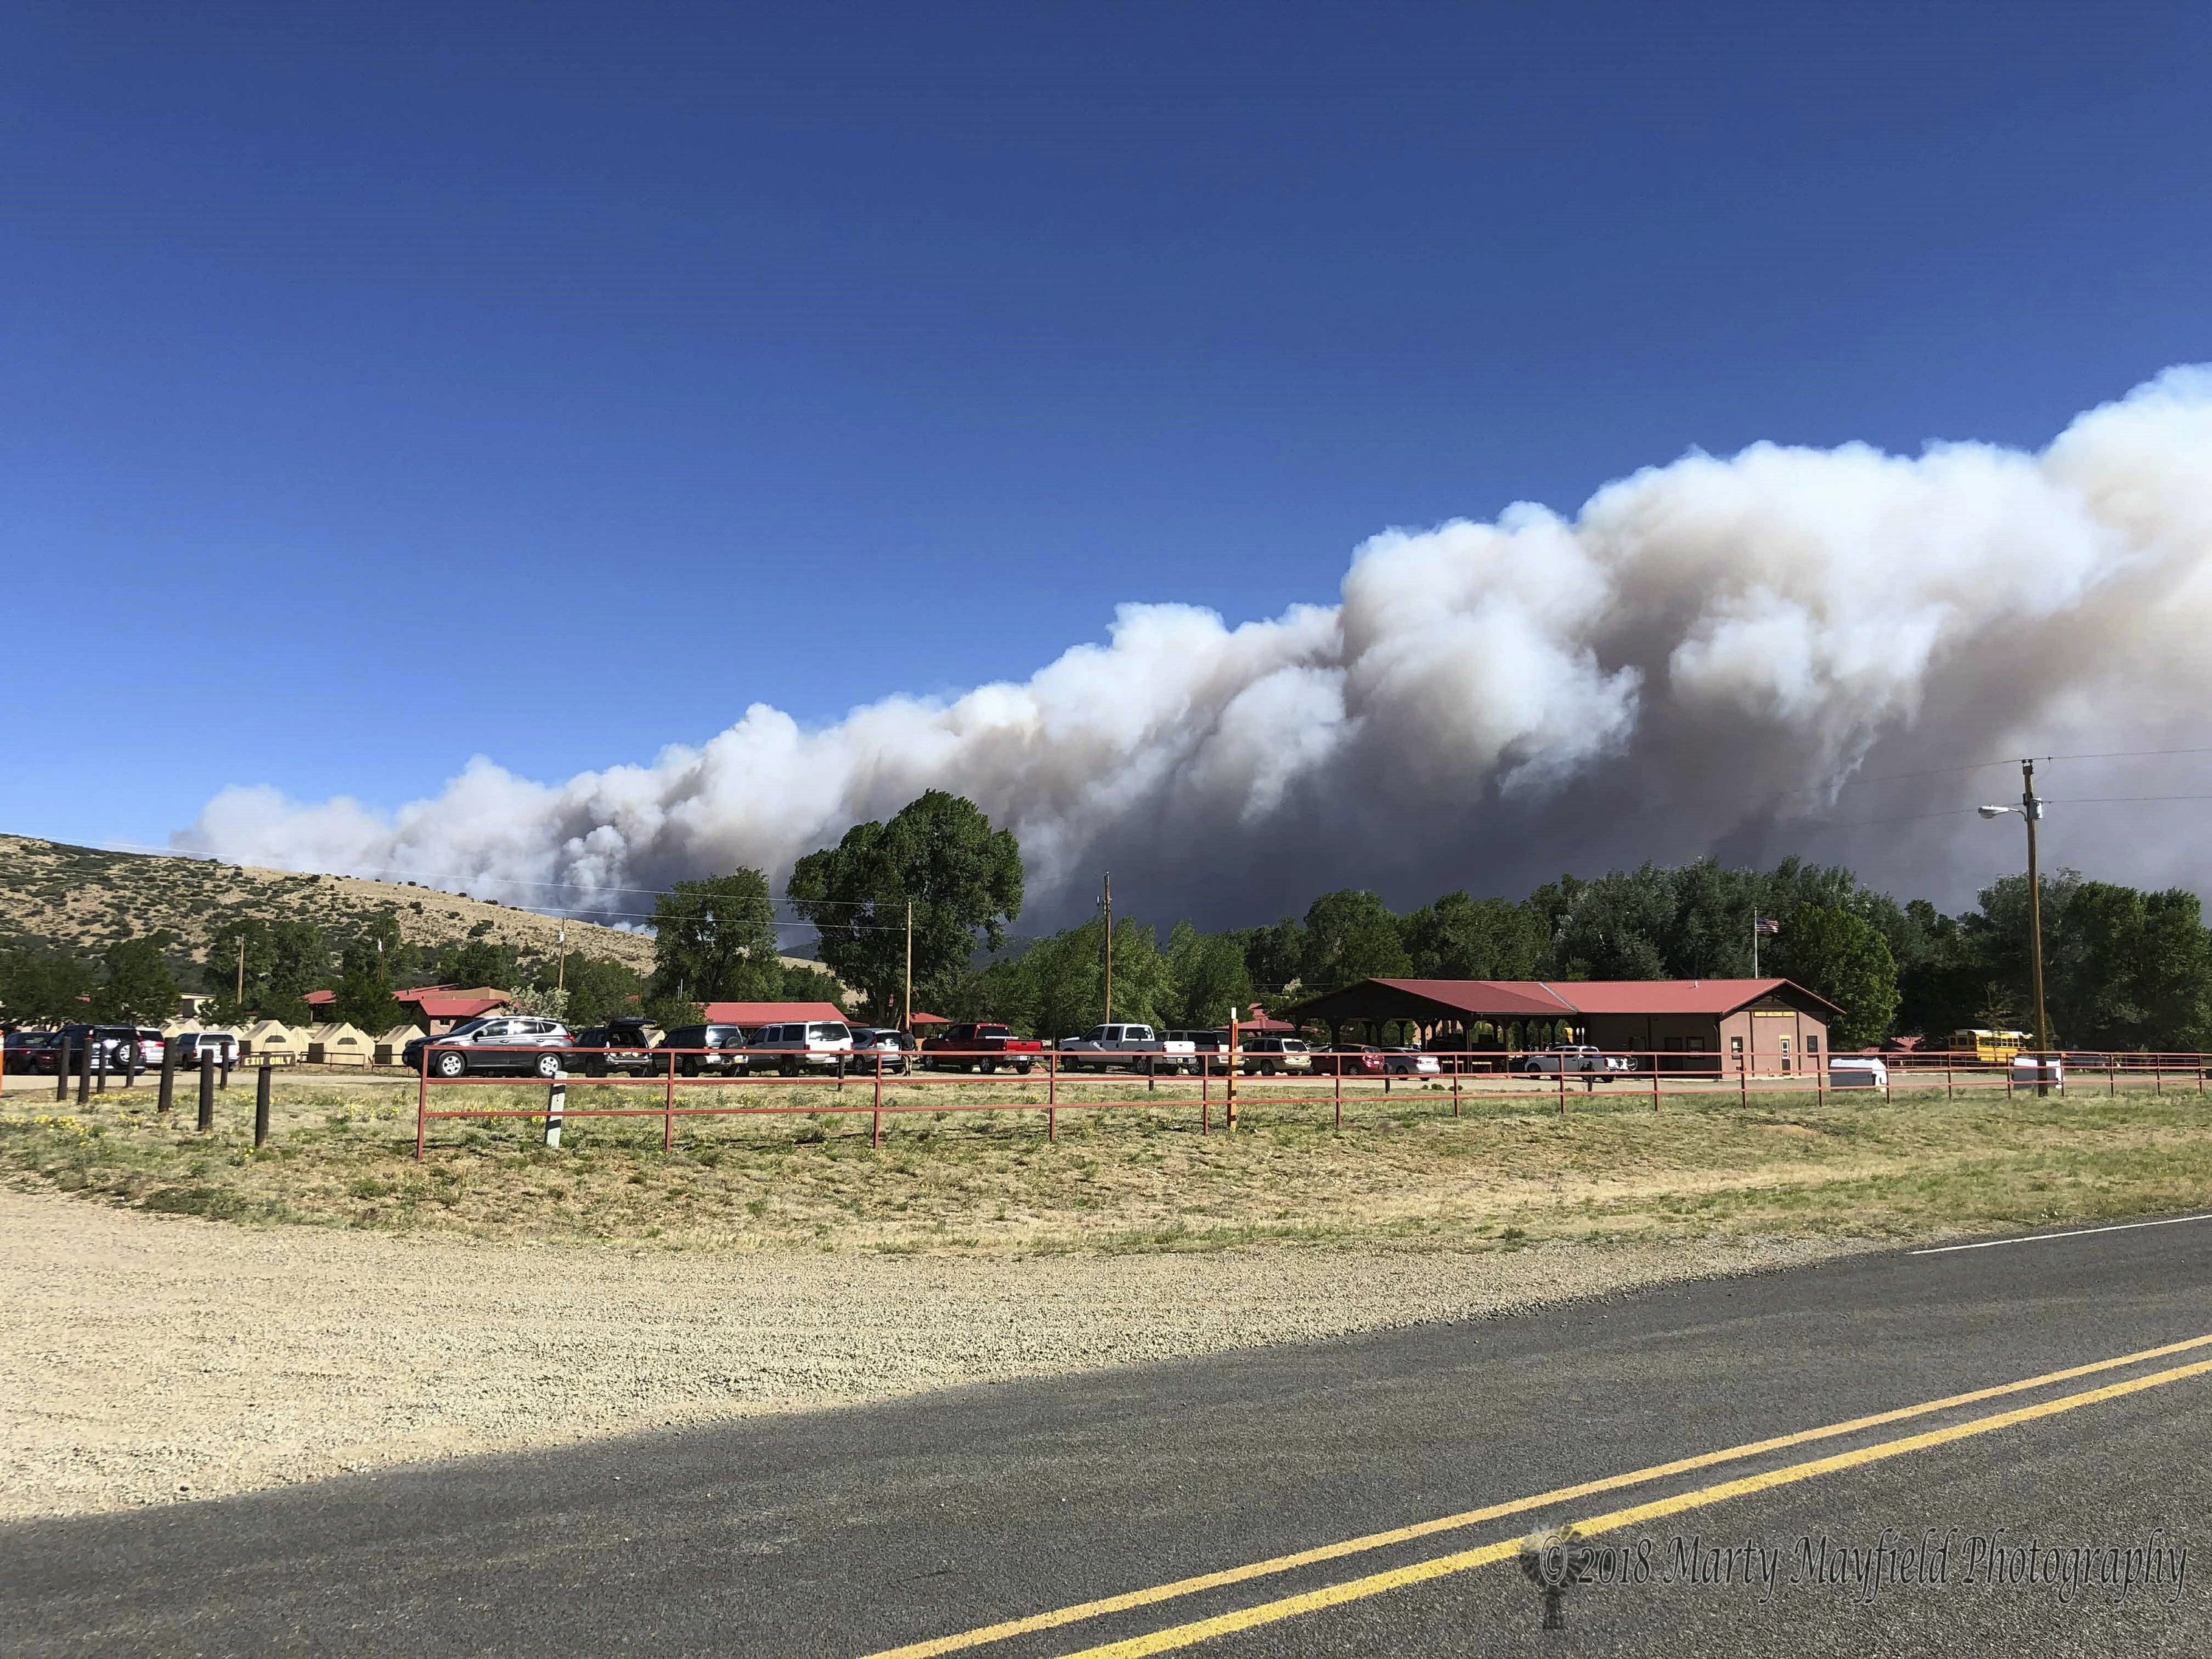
x: 599, y: 988
x: 938, y: 853
x: 365, y: 986
x: 1941, y: 984
x: 1462, y: 938
x: 1057, y: 987
x: 714, y: 940
x: 45, y: 987
x: 807, y: 983
x: 1272, y: 955
x: 284, y: 960
x: 482, y: 962
x: 137, y: 985
x: 2125, y: 968
x: 1351, y: 935
x: 1208, y: 976
x: 1843, y: 956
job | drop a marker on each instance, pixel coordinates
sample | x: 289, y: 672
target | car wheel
x: 1022, y: 1067
x: 790, y: 1067
x: 451, y: 1063
x: 549, y: 1065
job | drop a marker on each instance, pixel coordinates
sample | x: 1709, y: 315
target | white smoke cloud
x: 1698, y: 662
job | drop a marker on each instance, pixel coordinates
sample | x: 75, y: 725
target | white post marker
x: 557, y: 1103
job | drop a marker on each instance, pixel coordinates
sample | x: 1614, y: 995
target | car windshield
x: 470, y: 1027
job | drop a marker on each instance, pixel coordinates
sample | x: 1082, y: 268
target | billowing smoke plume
x: 1718, y: 655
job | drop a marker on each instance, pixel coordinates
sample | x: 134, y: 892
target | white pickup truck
x: 1127, y: 1048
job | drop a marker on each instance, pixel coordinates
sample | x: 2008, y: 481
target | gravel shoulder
x: 158, y: 1359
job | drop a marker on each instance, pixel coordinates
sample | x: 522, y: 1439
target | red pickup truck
x: 983, y: 1045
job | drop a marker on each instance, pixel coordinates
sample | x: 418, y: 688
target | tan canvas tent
x: 339, y: 1044
x: 273, y: 1042
x: 389, y: 1045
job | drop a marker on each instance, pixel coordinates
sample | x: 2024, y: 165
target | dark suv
x: 116, y: 1045
x: 628, y: 1045
x: 720, y: 1044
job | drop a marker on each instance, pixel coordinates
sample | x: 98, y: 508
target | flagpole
x: 1754, y: 945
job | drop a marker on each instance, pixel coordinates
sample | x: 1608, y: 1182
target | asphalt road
x: 853, y: 1532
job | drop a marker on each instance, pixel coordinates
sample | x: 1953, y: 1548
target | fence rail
x: 1334, y: 1076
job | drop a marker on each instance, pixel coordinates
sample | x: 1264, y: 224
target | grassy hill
x: 81, y: 899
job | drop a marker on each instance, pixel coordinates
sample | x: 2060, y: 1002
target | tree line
x: 2124, y: 968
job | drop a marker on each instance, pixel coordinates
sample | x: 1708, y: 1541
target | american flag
x: 1765, y: 924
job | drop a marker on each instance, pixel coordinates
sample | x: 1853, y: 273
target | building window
x: 1736, y: 1047
x: 1812, y: 1043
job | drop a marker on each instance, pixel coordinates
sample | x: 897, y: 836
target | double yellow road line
x: 1354, y: 1589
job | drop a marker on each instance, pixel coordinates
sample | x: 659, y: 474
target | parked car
x: 1570, y: 1057
x: 815, y: 1045
x: 983, y: 1045
x: 494, y: 1043
x: 1266, y: 1056
x: 1353, y: 1059
x: 1409, y: 1062
x: 894, y: 1048
x: 112, y: 1045
x: 1126, y: 1047
x: 723, y: 1046
x: 222, y: 1045
x: 1211, y: 1047
x: 31, y: 1052
x: 629, y: 1043
x: 1857, y: 1071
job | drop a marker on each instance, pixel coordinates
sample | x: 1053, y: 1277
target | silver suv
x: 494, y: 1042
x: 818, y: 1045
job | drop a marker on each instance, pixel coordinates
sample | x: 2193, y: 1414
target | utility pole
x: 242, y: 969
x: 2032, y: 810
x: 905, y: 1002
x: 1106, y: 904
x: 560, y: 973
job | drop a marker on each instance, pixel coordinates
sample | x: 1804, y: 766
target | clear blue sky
x: 379, y: 384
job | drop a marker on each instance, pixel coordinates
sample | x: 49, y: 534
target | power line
x: 1982, y: 766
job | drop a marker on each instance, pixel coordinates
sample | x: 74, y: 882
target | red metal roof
x: 919, y: 1019
x: 769, y: 1013
x: 319, y: 999
x: 1538, y: 999
x: 453, y: 1001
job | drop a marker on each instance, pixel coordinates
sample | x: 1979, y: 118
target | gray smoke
x: 1719, y: 656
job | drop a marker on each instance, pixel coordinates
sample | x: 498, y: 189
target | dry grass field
x: 1402, y: 1173
x: 328, y: 1304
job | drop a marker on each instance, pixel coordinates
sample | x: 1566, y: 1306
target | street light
x: 2030, y: 812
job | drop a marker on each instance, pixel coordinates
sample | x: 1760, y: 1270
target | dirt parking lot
x: 155, y: 1359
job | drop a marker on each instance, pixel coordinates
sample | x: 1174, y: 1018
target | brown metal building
x: 1767, y: 1025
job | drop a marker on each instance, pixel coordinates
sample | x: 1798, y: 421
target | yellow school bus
x: 1989, y: 1048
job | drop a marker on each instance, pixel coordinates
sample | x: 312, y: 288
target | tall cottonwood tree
x: 939, y: 854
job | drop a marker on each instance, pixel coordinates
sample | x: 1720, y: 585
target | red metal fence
x: 1220, y: 1079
